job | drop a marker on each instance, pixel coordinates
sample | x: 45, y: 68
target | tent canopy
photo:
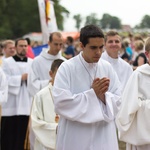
x: 37, y: 36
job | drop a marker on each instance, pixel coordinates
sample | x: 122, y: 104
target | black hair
x: 16, y: 42
x: 70, y: 39
x: 28, y: 40
x: 90, y: 31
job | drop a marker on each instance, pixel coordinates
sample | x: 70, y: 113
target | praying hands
x: 100, y: 87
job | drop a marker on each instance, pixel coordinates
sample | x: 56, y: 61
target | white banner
x: 47, y: 19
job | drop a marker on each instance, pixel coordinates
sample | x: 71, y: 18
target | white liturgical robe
x: 85, y: 122
x: 122, y: 68
x: 3, y: 87
x: 133, y: 119
x: 39, y: 74
x: 19, y: 100
x: 43, y: 120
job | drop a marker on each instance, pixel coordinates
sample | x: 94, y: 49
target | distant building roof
x: 126, y: 28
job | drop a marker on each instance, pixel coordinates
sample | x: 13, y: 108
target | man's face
x: 113, y: 45
x: 56, y: 44
x: 10, y: 50
x: 148, y: 56
x: 22, y: 48
x: 93, y: 50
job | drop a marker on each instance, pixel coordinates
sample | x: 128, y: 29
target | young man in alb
x: 87, y: 97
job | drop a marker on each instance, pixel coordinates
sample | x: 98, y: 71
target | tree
x: 145, y: 23
x: 111, y: 22
x: 115, y: 23
x: 60, y: 11
x: 105, y: 21
x: 78, y: 20
x: 92, y: 19
x: 18, y: 17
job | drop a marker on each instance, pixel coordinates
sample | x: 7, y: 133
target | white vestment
x: 39, y: 74
x: 122, y: 68
x: 85, y: 122
x: 133, y: 119
x: 3, y: 87
x: 43, y: 120
x: 19, y: 100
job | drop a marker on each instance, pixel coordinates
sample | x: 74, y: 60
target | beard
x: 22, y: 53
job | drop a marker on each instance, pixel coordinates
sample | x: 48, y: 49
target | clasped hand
x: 100, y: 87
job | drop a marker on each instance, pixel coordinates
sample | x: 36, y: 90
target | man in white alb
x: 15, y: 112
x: 112, y: 47
x: 39, y: 74
x: 122, y: 68
x: 87, y: 96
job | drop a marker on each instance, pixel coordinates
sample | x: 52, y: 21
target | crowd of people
x: 90, y: 94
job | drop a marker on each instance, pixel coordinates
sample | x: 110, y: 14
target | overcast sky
x: 129, y: 11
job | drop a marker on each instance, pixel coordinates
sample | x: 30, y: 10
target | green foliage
x: 105, y: 21
x: 115, y: 23
x: 78, y: 20
x: 111, y: 22
x: 145, y: 23
x: 60, y: 11
x: 92, y: 19
x: 18, y: 17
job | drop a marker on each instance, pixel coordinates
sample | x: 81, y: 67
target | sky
x: 129, y: 12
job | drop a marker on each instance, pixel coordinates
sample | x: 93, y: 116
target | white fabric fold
x: 133, y: 118
x: 84, y: 120
x: 43, y: 120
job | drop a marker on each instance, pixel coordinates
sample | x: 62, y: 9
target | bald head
x: 53, y: 35
x: 55, y: 43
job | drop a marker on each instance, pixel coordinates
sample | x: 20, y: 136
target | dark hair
x: 90, y: 31
x: 125, y: 56
x: 16, y: 42
x: 56, y: 63
x: 54, y: 33
x: 28, y: 40
x: 70, y: 39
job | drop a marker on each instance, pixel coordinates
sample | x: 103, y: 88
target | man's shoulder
x: 37, y: 58
x: 73, y: 60
x: 44, y: 91
x: 9, y: 60
x: 104, y: 62
x: 124, y: 63
x: 71, y: 63
x: 30, y: 59
x: 71, y: 47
